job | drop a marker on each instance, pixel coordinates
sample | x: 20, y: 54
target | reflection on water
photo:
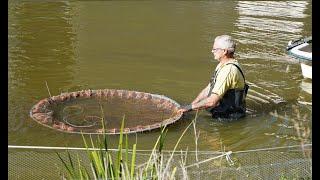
x: 306, y: 86
x: 263, y: 28
x: 161, y: 48
x: 287, y: 9
x: 295, y: 126
x: 268, y: 25
x: 305, y: 92
x: 261, y: 100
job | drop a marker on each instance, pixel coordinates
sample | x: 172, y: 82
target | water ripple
x: 269, y: 25
x: 288, y: 9
x: 260, y: 100
x: 264, y: 28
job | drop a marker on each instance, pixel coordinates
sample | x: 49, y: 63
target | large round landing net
x: 87, y: 111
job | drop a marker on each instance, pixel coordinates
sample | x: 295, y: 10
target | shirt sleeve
x: 223, y: 81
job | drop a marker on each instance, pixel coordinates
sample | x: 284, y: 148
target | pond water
x: 161, y: 48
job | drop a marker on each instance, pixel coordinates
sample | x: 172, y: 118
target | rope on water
x: 75, y: 107
x: 227, y: 154
x: 166, y: 151
x: 85, y: 119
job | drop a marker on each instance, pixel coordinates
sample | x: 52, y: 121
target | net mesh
x: 288, y: 163
x: 89, y: 111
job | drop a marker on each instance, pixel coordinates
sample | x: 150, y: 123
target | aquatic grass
x: 301, y: 126
x: 102, y: 165
x: 133, y: 161
x: 196, y: 136
x: 73, y: 173
x: 304, y: 133
x: 176, y: 145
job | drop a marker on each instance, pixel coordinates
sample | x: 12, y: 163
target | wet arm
x: 203, y: 94
x: 211, y: 101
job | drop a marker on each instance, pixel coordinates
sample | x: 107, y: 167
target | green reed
x: 103, y: 167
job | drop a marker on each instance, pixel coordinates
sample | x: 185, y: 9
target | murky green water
x: 162, y: 48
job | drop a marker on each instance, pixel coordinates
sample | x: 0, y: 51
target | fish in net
x: 102, y: 111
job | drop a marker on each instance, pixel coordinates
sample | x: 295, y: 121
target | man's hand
x: 182, y: 110
x: 185, y: 109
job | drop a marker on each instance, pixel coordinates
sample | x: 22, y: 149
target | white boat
x: 306, y: 70
x: 302, y: 50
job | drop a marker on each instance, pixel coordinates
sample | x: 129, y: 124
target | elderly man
x: 225, y: 94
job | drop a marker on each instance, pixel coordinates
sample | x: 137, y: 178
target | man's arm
x: 222, y: 84
x: 211, y: 101
x: 203, y: 94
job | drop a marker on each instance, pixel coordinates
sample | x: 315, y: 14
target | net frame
x: 42, y: 114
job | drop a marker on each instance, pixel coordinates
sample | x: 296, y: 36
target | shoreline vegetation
x: 104, y: 166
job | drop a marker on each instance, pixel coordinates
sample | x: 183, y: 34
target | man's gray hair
x: 226, y: 42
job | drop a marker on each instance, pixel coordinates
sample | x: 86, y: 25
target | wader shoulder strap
x: 212, y: 82
x: 239, y: 70
x: 215, y: 76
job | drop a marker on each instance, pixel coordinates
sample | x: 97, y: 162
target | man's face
x: 217, y: 52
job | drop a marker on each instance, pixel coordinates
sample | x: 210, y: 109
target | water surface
x: 161, y: 48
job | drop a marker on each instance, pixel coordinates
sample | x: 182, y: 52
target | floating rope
x: 164, y: 151
x: 85, y: 118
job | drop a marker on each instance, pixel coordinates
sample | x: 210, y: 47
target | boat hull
x: 298, y: 53
x: 302, y: 50
x: 306, y: 70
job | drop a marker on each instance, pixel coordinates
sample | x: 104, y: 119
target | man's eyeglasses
x: 216, y: 49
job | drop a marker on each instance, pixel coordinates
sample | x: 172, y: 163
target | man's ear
x: 225, y: 51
